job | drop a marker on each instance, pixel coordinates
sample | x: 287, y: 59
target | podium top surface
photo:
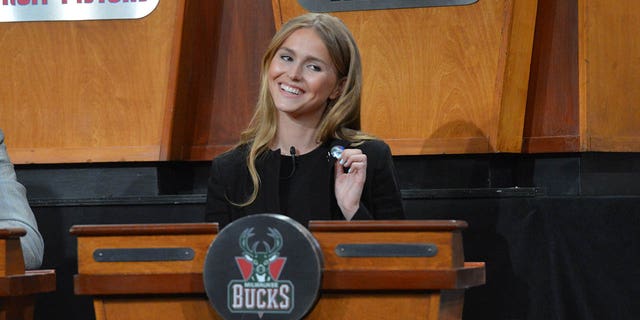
x: 144, y: 229
x: 12, y: 233
x: 387, y: 225
x: 314, y: 226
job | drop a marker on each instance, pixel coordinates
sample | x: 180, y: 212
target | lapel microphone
x: 292, y: 152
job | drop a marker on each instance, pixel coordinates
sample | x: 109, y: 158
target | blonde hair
x: 341, y: 119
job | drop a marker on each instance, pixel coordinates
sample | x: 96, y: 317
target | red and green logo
x: 261, y: 290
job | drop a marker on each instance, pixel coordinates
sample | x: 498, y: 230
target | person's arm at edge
x: 16, y: 212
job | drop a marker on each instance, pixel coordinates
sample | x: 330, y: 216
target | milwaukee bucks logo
x: 260, y: 264
x: 263, y: 267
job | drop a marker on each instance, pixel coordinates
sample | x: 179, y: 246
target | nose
x: 294, y: 73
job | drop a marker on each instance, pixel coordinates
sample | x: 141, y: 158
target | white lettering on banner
x: 73, y: 10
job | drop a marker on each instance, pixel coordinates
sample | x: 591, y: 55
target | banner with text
x: 73, y: 10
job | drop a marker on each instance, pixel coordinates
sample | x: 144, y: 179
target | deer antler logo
x: 261, y: 260
x: 261, y: 291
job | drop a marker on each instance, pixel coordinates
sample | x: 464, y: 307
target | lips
x: 290, y: 89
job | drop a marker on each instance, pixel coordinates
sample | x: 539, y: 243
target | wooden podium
x: 139, y: 276
x: 394, y: 287
x: 17, y: 286
x: 154, y: 284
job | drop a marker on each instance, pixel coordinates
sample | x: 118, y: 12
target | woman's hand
x: 349, y: 184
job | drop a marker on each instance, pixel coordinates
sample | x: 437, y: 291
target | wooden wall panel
x: 181, y: 83
x: 86, y: 91
x: 609, y: 75
x: 219, y: 75
x: 552, y: 116
x: 443, y: 79
x: 585, y: 78
x: 196, y: 76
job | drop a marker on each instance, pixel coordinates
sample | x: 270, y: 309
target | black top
x: 303, y: 193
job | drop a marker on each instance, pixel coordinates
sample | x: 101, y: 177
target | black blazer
x: 229, y: 179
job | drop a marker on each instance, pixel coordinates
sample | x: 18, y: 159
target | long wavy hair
x: 341, y: 118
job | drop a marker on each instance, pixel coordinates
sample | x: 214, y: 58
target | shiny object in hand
x: 336, y: 151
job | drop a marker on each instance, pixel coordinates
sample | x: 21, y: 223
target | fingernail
x: 349, y: 170
x: 341, y: 161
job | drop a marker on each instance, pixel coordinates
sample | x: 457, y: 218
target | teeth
x: 290, y: 89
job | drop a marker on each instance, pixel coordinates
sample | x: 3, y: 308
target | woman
x: 309, y: 102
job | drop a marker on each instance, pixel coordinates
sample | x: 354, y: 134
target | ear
x: 338, y: 89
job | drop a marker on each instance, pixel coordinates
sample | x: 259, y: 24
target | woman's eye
x: 286, y: 58
x: 314, y: 67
